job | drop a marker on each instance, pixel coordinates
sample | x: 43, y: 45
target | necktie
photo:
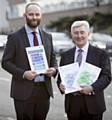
x: 79, y: 56
x: 35, y: 40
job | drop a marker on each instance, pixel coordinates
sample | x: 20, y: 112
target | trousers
x: 34, y: 108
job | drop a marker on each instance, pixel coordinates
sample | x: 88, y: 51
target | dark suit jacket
x: 95, y: 103
x: 15, y: 62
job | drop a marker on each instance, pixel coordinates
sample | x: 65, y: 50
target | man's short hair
x: 80, y: 23
x: 31, y: 3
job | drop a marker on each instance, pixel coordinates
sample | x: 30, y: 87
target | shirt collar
x: 84, y: 48
x: 29, y: 30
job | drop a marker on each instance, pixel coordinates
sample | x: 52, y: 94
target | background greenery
x: 99, y: 22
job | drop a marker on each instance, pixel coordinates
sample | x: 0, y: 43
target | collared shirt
x: 30, y: 35
x: 30, y: 38
x: 84, y: 53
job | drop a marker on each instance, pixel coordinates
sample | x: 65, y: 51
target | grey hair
x: 80, y: 23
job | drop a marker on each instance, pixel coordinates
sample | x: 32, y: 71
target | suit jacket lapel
x: 90, y: 55
x: 89, y: 58
x: 45, y: 43
x: 72, y: 55
x: 24, y: 38
x: 43, y: 38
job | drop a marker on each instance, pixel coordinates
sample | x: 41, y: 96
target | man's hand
x: 50, y: 72
x: 62, y: 87
x: 87, y: 90
x: 30, y: 75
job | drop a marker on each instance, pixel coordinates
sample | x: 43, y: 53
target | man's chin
x: 33, y: 26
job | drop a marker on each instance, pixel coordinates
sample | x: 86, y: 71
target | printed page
x: 37, y: 59
x: 87, y: 74
x: 68, y: 75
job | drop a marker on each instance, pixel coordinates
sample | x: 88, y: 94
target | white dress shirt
x: 84, y: 53
x: 39, y: 78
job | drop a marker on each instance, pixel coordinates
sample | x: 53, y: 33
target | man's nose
x: 34, y: 16
x: 79, y: 35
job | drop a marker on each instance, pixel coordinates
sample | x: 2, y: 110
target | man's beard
x: 33, y: 23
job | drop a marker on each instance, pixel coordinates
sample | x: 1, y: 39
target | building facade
x: 12, y: 14
x: 3, y: 18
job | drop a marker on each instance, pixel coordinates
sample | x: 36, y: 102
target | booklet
x: 73, y: 76
x: 37, y: 58
x: 87, y: 74
x: 68, y: 75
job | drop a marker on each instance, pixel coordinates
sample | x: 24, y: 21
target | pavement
x: 56, y: 111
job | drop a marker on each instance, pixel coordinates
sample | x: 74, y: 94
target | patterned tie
x: 79, y: 56
x: 35, y: 40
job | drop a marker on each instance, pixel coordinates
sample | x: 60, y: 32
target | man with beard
x: 31, y: 91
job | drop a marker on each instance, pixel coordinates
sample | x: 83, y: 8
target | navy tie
x: 35, y: 40
x: 79, y: 56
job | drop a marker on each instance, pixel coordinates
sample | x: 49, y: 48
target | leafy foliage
x: 100, y: 22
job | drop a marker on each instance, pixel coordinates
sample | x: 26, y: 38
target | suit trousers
x: 36, y: 107
x: 78, y: 109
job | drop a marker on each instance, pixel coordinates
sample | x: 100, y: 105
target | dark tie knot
x: 34, y: 33
x: 80, y: 50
